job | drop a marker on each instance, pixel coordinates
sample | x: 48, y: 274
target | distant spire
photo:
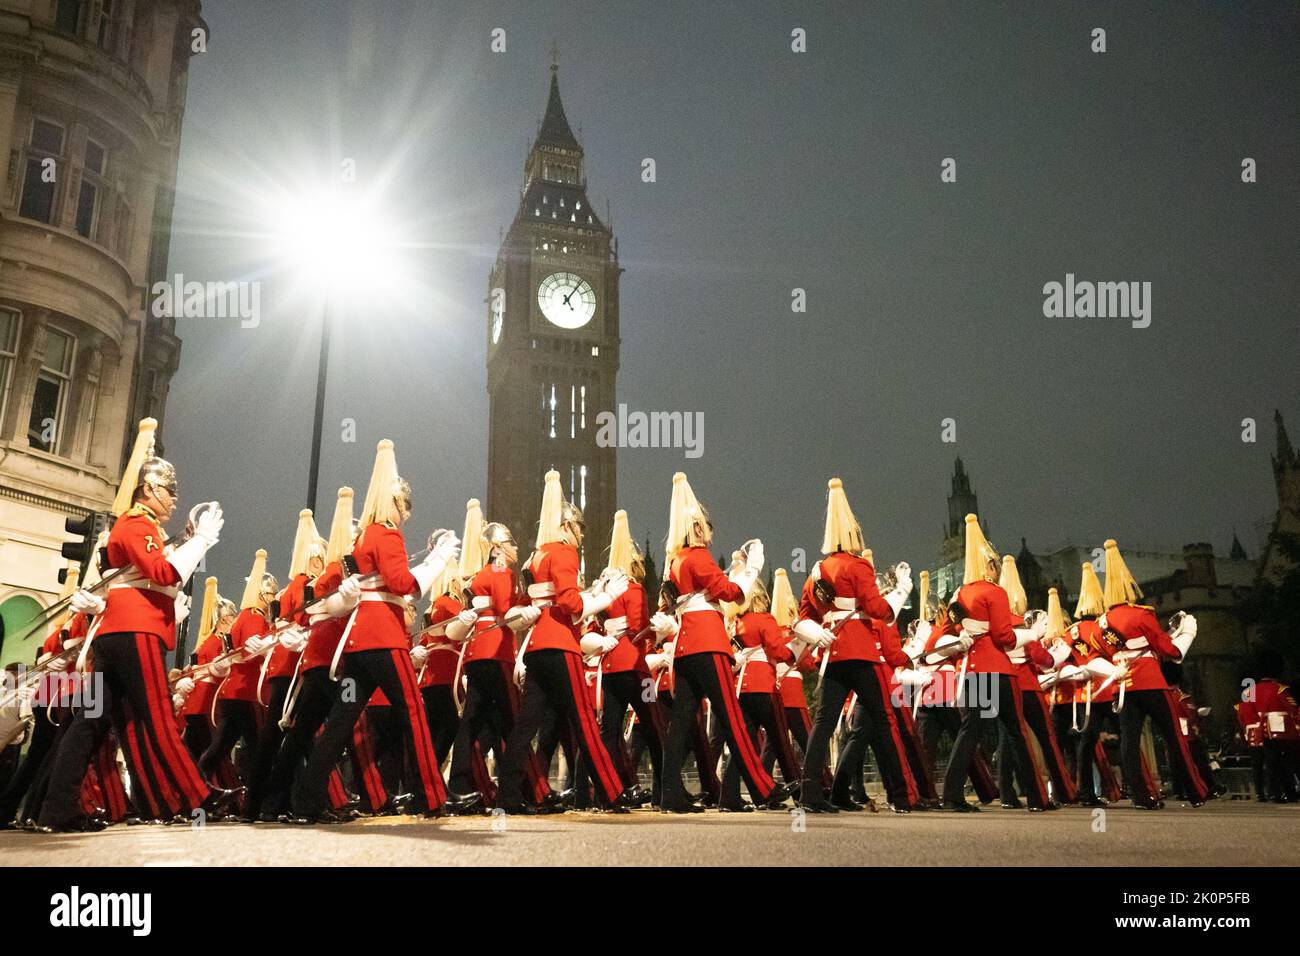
x: 555, y: 129
x: 1238, y: 553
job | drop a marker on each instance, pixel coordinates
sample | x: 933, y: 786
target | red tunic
x: 242, y: 682
x: 1271, y: 715
x: 854, y: 578
x: 283, y: 661
x: 792, y: 683
x: 325, y: 632
x: 498, y: 585
x: 1131, y: 622
x: 702, y: 632
x: 137, y: 540
x: 441, y: 666
x: 1091, y: 642
x: 629, y: 656
x: 557, y: 563
x: 381, y: 549
x: 200, y: 699
x: 758, y: 628
x: 985, y: 601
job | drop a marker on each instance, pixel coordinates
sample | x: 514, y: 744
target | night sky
x: 775, y: 170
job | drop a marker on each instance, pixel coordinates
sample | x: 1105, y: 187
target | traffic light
x: 87, y: 529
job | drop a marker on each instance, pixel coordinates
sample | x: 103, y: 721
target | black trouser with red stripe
x: 129, y: 672
x: 310, y: 708
x: 555, y: 688
x: 1034, y: 706
x: 708, y: 676
x: 268, y: 743
x: 932, y: 721
x: 799, y: 722
x: 705, y: 761
x: 238, y: 721
x: 621, y: 690
x: 444, y: 719
x: 390, y: 670
x: 1139, y: 705
x: 879, y: 726
x: 777, y: 747
x: 759, y: 713
x: 992, y: 698
x: 491, y: 710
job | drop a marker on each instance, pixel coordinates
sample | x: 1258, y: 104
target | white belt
x: 144, y: 584
x: 315, y: 619
x: 481, y: 602
x: 542, y: 594
x: 759, y: 655
x: 387, y: 597
x: 1016, y: 656
x: 974, y: 627
x: 793, y: 674
x: 1127, y: 655
x: 618, y: 624
x: 698, y: 601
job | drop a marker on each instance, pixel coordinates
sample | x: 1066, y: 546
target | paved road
x: 1221, y: 833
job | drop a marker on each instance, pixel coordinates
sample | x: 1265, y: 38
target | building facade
x: 552, y: 328
x: 92, y: 95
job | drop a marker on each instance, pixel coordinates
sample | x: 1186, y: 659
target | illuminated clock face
x: 566, y: 300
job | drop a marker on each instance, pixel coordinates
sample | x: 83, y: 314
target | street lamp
x: 338, y: 244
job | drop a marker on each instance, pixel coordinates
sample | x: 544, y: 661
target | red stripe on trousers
x: 610, y: 781
x: 895, y: 737
x: 144, y: 791
x: 1106, y: 772
x: 435, y: 794
x: 175, y: 758
x: 110, y: 781
x: 337, y: 793
x: 740, y: 733
x: 914, y: 746
x: 1185, y: 753
x: 155, y: 786
x: 376, y: 795
x: 1034, y: 771
x: 1054, y: 754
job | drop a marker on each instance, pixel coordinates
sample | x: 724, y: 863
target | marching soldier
x: 486, y: 633
x: 374, y: 651
x: 237, y: 711
x: 550, y: 659
x: 436, y: 659
x: 335, y: 593
x: 215, y: 621
x: 701, y: 660
x: 1141, y: 644
x: 788, y: 686
x: 135, y: 625
x: 837, y: 626
x: 986, y: 689
x: 1270, y: 724
x: 279, y: 666
x: 626, y: 677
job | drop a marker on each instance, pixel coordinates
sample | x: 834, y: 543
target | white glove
x: 343, y: 600
x: 753, y: 552
x: 181, y: 607
x: 903, y: 576
x: 84, y: 602
x: 965, y: 642
x: 445, y: 548
x: 592, y: 645
x: 1203, y: 711
x: 1059, y: 651
x: 520, y: 619
x: 206, y: 532
x: 209, y: 525
x: 1185, y: 635
x: 461, y: 628
x: 293, y: 639
x: 520, y: 672
x: 915, y: 678
x: 1100, y: 667
x: 219, y: 669
x: 615, y: 584
x: 813, y: 634
x: 1024, y: 637
x: 419, y: 655
x: 256, y: 646
x: 58, y: 664
x: 656, y: 662
x: 665, y: 625
x: 898, y: 597
x: 594, y: 603
x: 782, y: 670
x: 1040, y: 627
x: 1072, y: 673
x: 178, y: 701
x: 184, y: 687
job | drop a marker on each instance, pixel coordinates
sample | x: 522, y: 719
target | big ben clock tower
x: 552, y: 352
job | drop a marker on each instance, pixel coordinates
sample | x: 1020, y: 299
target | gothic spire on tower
x: 555, y: 129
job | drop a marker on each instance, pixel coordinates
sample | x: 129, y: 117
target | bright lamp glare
x: 338, y: 245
